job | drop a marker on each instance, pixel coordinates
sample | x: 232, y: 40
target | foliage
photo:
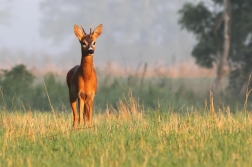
x: 21, y: 90
x: 207, y: 24
x: 57, y: 94
x: 150, y: 93
x: 15, y: 85
x: 127, y: 139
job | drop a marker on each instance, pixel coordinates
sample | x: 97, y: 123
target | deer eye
x: 83, y: 43
x: 94, y: 43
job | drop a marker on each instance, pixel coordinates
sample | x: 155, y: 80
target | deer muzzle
x: 90, y: 51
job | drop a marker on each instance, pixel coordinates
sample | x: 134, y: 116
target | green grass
x: 129, y: 137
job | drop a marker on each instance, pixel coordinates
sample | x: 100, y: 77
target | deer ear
x: 97, y: 32
x: 78, y: 32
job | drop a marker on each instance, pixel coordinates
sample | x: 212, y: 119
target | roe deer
x: 81, y: 79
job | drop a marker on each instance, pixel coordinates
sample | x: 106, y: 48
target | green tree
x: 207, y: 23
x: 16, y: 85
x: 20, y: 92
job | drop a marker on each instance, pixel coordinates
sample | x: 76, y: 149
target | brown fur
x: 82, y: 80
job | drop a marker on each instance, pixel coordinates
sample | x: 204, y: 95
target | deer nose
x: 90, y: 51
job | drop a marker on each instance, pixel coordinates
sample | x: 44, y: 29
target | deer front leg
x: 88, y: 109
x: 81, y: 110
x: 90, y: 113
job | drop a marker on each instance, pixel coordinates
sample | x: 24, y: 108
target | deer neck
x: 87, y: 66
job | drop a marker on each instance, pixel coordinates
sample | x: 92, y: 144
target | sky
x: 22, y: 29
x: 20, y: 36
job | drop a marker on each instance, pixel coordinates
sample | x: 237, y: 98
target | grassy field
x: 127, y: 137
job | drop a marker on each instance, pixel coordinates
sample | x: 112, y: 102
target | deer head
x: 87, y: 41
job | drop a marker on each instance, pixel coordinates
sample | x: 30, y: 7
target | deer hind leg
x: 75, y: 115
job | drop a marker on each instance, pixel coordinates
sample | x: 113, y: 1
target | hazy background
x: 39, y: 33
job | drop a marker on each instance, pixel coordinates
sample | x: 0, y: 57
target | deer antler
x: 91, y: 29
x: 83, y: 29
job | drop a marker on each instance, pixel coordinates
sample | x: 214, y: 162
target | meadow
x: 137, y: 121
x: 128, y: 136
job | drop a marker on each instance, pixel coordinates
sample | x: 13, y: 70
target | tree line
x: 20, y: 92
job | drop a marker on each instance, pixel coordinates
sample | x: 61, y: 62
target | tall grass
x: 128, y: 136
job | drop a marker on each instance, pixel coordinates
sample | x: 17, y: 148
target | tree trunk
x: 244, y: 89
x: 223, y: 59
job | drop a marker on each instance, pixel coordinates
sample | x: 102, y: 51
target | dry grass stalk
x: 129, y: 109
